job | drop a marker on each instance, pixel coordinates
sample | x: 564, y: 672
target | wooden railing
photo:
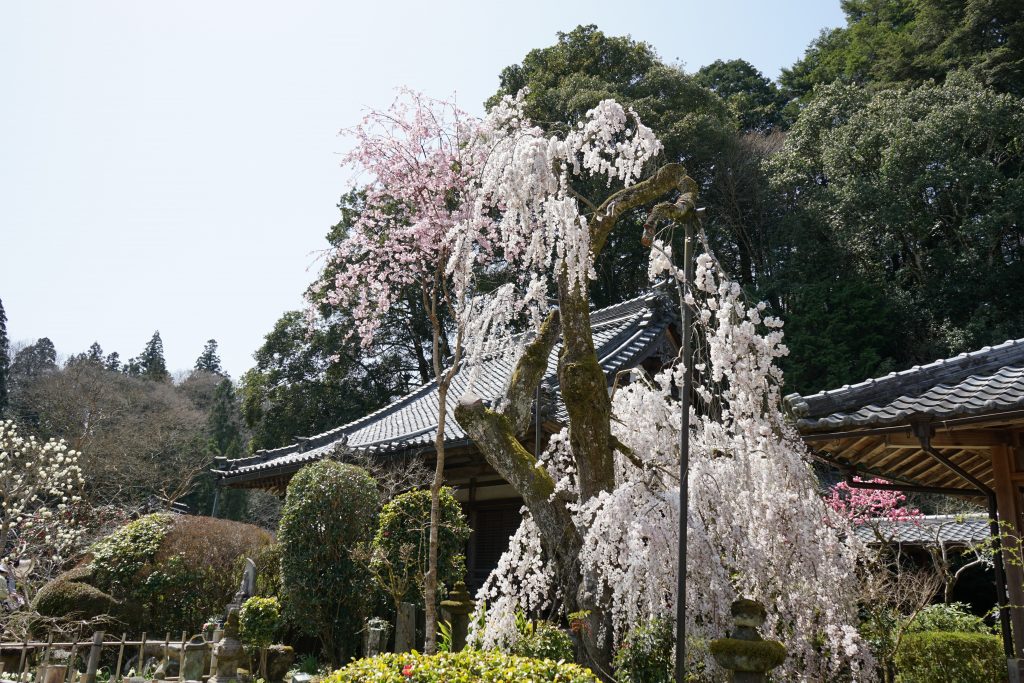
x: 91, y: 651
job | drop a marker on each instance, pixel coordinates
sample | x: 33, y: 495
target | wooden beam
x: 966, y: 438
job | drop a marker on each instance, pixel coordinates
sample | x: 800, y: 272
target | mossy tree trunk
x: 584, y: 390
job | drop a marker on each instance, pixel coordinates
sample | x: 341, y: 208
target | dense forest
x: 873, y: 196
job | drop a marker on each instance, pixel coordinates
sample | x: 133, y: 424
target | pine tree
x: 222, y: 423
x: 208, y: 360
x: 150, y: 364
x: 5, y: 359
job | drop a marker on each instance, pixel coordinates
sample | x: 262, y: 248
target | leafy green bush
x: 645, y: 656
x: 330, y: 508
x: 543, y: 640
x: 468, y: 666
x: 118, y: 558
x: 947, y: 617
x: 169, y: 572
x: 258, y: 620
x: 931, y: 656
x: 399, y: 558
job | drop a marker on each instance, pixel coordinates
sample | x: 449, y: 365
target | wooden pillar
x: 1008, y: 502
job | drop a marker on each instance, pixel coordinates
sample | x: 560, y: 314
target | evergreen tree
x: 208, y: 360
x: 33, y: 360
x: 222, y: 422
x: 224, y: 433
x: 5, y: 359
x: 150, y: 364
x: 756, y: 101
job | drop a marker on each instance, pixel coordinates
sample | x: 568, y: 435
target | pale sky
x: 174, y: 165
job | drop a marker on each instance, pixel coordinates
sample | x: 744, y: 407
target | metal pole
x: 684, y: 457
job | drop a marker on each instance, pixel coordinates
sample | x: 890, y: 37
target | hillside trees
x: 889, y: 42
x: 905, y: 215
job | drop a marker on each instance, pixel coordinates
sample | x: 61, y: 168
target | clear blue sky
x: 174, y: 165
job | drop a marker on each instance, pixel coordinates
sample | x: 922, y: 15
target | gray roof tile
x: 623, y: 335
x: 929, y: 530
x: 988, y: 380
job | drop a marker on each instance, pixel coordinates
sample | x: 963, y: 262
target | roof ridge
x: 988, y: 359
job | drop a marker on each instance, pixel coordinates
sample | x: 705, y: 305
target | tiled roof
x: 984, y: 381
x: 928, y: 530
x: 624, y: 334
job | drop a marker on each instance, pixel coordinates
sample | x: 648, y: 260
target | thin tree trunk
x: 430, y: 581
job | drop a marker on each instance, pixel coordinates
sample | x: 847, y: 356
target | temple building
x: 636, y: 333
x: 954, y: 427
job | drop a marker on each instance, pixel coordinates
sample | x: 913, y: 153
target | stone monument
x: 228, y: 652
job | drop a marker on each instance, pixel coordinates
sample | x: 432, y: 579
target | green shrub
x: 168, y: 571
x: 468, y: 666
x: 645, y: 656
x: 931, y: 656
x: 543, y: 640
x: 400, y: 546
x: 258, y: 620
x: 330, y: 508
x: 952, y: 617
x: 118, y: 559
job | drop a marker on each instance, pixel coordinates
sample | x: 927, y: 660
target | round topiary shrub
x: 172, y: 571
x: 930, y: 656
x: 75, y: 600
x: 401, y: 544
x: 330, y: 509
x: 458, y: 667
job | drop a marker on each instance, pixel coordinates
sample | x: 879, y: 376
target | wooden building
x: 638, y: 332
x: 955, y: 427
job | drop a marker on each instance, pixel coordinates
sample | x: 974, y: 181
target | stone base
x: 1015, y: 667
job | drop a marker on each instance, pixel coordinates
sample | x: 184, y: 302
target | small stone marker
x: 405, y: 630
x: 746, y: 655
x: 194, y: 659
x: 376, y: 638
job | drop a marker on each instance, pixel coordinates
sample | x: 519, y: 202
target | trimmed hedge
x: 158, y: 573
x: 468, y: 666
x: 75, y: 600
x: 931, y: 656
x: 544, y: 641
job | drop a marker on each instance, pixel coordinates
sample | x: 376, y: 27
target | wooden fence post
x: 94, y: 657
x: 142, y: 656
x: 181, y: 656
x: 21, y: 661
x: 72, y: 669
x: 120, y: 658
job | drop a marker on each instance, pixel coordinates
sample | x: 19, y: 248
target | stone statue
x: 247, y: 588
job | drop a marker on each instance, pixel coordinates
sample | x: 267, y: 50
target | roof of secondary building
x: 984, y: 381
x: 927, y: 530
x: 624, y: 335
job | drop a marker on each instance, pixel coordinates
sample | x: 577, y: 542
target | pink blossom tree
x: 416, y: 178
x: 865, y: 505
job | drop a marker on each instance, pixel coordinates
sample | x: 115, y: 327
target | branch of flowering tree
x: 667, y: 178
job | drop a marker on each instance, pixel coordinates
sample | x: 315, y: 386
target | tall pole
x: 684, y: 454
